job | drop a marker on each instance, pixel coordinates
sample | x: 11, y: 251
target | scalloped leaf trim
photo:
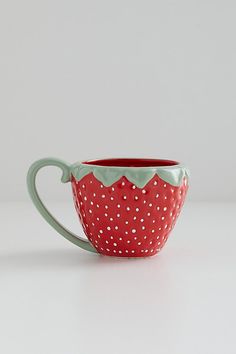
x: 139, y: 176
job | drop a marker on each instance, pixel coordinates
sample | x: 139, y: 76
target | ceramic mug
x: 127, y: 206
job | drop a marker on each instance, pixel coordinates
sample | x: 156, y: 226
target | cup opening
x: 131, y: 162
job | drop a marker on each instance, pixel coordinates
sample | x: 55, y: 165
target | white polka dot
x: 114, y: 251
x: 153, y: 231
x: 123, y: 183
x: 91, y: 203
x: 165, y: 208
x: 158, y: 237
x: 118, y: 205
x: 159, y: 243
x: 128, y: 241
x: 159, y: 229
x: 106, y: 214
x: 106, y: 206
x: 99, y: 236
x: 144, y: 237
x: 158, y: 208
x: 157, y: 195
x: 133, y: 231
x: 155, y: 183
x: 112, y: 188
x: 120, y: 238
x: 146, y: 251
x: 103, y: 195
x: 108, y: 228
x: 124, y: 197
x: 153, y: 221
x: 126, y: 251
x: 148, y: 214
x: 137, y: 209
x: 150, y: 242
x: 143, y: 227
x: 107, y: 241
x: 83, y: 186
x: 142, y: 251
x: 139, y: 243
x: 112, y: 198
x: 85, y: 198
x: 162, y: 218
x: 102, y: 249
x: 94, y: 194
x: 165, y: 226
x: 120, y: 252
x: 135, y: 238
x: 171, y: 214
x: 128, y: 208
x: 165, y: 197
x: 143, y: 191
x: 132, y: 251
x: 135, y: 217
x: 116, y: 227
x: 93, y: 223
x: 101, y: 185
x: 150, y: 204
x: 118, y: 215
x: 136, y: 197
x: 126, y: 222
x: 97, y: 205
x: 90, y: 211
x: 164, y: 185
x: 142, y: 220
x: 96, y: 245
x: 133, y: 187
x: 144, y: 202
x: 111, y: 219
x: 115, y: 244
x: 126, y: 232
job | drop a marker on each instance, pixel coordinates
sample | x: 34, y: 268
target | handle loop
x: 31, y: 177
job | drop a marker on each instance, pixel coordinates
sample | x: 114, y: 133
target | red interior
x: 130, y: 162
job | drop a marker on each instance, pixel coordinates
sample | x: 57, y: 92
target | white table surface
x: 58, y: 299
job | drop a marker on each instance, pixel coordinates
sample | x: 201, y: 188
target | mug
x: 127, y: 206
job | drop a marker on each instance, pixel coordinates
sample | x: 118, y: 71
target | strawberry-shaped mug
x: 127, y: 206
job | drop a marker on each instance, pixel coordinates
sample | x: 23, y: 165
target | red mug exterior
x: 124, y: 220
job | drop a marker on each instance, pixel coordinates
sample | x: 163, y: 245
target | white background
x: 90, y: 79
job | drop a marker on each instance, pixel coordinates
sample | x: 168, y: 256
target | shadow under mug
x: 127, y: 206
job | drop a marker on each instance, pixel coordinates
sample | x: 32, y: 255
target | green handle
x: 31, y: 177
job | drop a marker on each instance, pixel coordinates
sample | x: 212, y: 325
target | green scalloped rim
x: 139, y: 176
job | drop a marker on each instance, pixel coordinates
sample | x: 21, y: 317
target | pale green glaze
x: 139, y: 176
x: 107, y: 175
x: 66, y: 176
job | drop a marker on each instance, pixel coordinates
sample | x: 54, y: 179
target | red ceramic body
x: 124, y: 220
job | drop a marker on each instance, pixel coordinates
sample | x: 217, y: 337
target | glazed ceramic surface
x: 127, y: 207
